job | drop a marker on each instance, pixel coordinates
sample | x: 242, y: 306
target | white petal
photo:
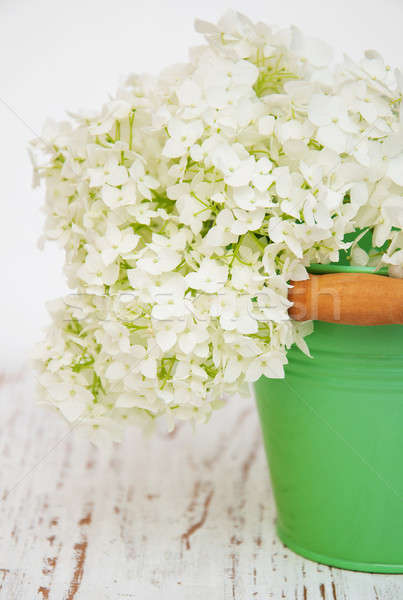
x: 266, y: 125
x: 232, y: 370
x: 243, y: 197
x: 204, y: 26
x: 194, y: 131
x: 396, y: 271
x: 275, y: 368
x: 217, y: 97
x: 317, y: 52
x: 148, y: 368
x: 254, y: 371
x: 294, y: 245
x: 174, y: 148
x: 97, y: 177
x: 109, y: 255
x: 110, y: 274
x: 137, y: 170
x: 242, y: 174
x: 187, y: 342
x: 283, y: 182
x: 116, y: 370
x: 118, y: 176
x: 131, y: 400
x: 119, y: 109
x: 189, y: 93
x: 71, y: 409
x: 395, y: 169
x: 244, y: 73
x: 247, y: 325
x: 151, y: 182
x: 359, y: 194
x: 332, y: 137
x: 359, y: 256
x: 129, y: 242
x: 166, y: 340
x: 112, y: 196
x: 262, y: 182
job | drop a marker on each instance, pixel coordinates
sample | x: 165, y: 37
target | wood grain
x: 187, y: 516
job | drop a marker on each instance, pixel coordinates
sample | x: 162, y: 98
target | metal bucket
x: 333, y: 432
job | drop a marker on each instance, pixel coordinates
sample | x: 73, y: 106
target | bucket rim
x: 338, y: 562
x: 318, y: 268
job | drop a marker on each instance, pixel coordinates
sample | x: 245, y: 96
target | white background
x: 58, y: 55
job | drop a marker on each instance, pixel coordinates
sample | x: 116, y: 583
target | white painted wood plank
x: 187, y: 516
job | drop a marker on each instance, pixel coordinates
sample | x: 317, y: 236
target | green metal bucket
x: 333, y: 432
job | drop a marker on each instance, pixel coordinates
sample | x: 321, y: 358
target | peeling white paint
x: 187, y: 516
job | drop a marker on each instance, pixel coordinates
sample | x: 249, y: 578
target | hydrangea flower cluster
x: 191, y: 200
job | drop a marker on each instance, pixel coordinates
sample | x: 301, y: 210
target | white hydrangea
x: 188, y: 203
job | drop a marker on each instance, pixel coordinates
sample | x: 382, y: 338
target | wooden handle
x: 348, y: 298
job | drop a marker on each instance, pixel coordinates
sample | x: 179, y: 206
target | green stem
x: 235, y: 252
x: 131, y: 121
x: 201, y: 201
x: 255, y: 239
x: 168, y: 373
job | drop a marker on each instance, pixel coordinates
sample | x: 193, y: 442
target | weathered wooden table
x: 186, y: 516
